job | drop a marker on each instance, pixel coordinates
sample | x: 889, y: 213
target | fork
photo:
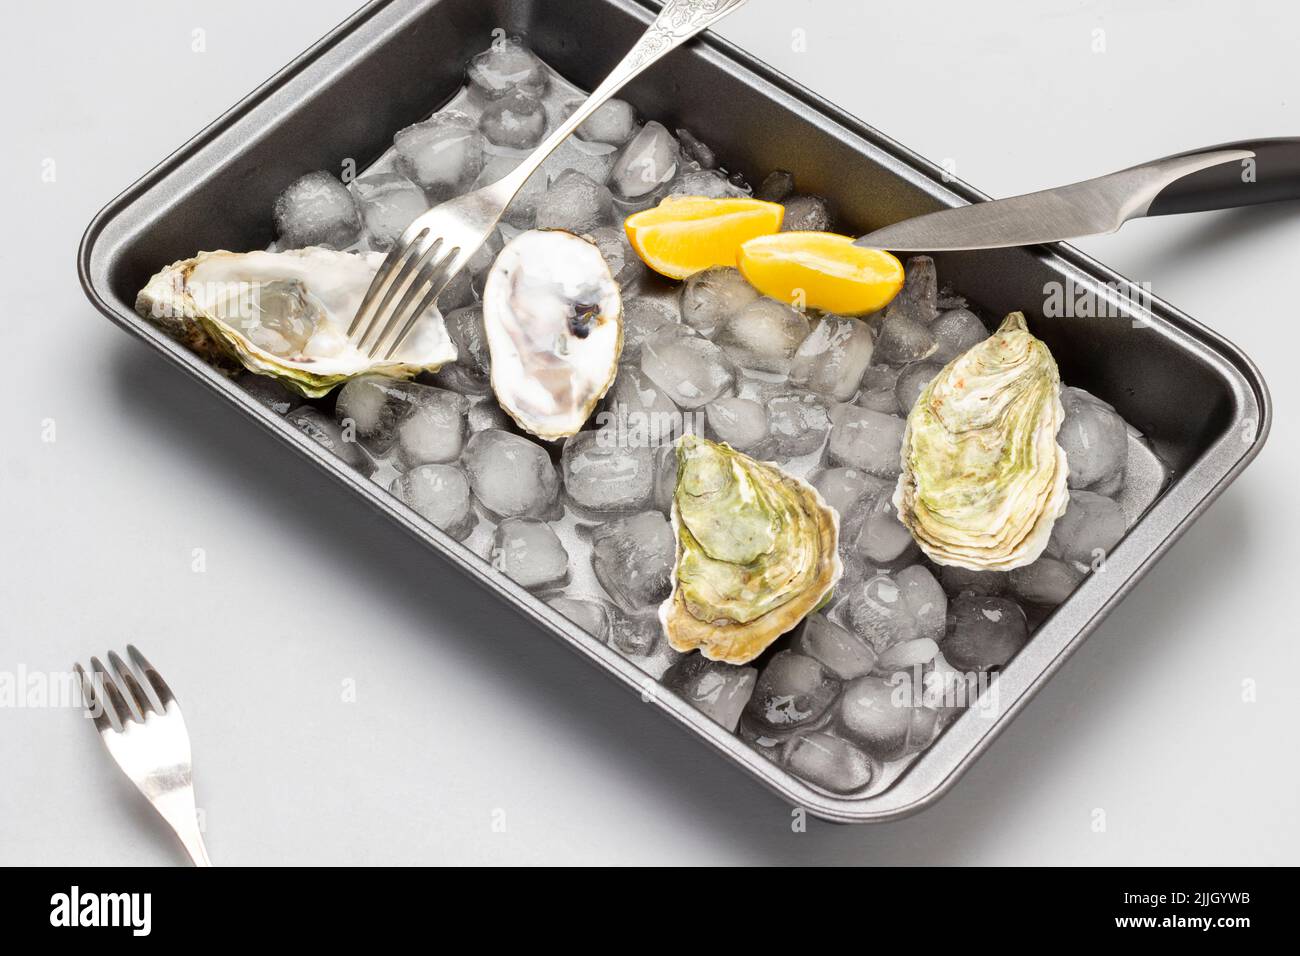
x: 438, y: 243
x: 150, y: 743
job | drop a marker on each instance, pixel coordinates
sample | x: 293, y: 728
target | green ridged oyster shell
x: 983, y: 478
x: 756, y: 552
x: 285, y: 315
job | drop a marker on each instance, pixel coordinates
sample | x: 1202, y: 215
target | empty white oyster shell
x: 554, y: 322
x: 983, y: 477
x: 286, y: 315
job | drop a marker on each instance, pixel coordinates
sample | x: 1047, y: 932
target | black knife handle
x: 1272, y: 176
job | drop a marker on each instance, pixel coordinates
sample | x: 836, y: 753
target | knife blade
x: 1236, y: 174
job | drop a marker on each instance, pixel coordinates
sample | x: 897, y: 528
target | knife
x: 1219, y: 177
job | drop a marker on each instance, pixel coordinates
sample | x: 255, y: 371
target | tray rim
x: 936, y: 770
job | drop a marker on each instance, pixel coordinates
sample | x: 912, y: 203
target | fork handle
x: 677, y: 22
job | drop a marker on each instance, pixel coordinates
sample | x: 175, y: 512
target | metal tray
x: 1201, y: 403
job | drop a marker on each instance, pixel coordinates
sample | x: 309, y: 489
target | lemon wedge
x: 821, y: 270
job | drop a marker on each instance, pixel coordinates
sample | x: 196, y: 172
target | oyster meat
x: 983, y: 476
x: 285, y: 315
x: 553, y: 318
x: 756, y: 552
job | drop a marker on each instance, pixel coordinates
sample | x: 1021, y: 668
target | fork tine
x: 414, y: 256
x: 142, y: 702
x: 376, y: 284
x: 430, y: 296
x: 160, y: 688
x: 114, y: 695
x: 94, y: 706
x: 432, y: 280
x: 412, y: 277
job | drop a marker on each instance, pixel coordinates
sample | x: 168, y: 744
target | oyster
x: 983, y: 477
x: 553, y: 317
x: 756, y: 552
x: 285, y: 314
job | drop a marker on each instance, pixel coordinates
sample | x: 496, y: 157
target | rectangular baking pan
x: 1200, y: 402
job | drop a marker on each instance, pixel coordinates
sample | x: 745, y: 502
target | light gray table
x: 473, y: 739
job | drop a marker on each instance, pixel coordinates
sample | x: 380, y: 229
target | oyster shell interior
x: 756, y: 552
x: 552, y: 314
x: 983, y: 477
x: 286, y: 315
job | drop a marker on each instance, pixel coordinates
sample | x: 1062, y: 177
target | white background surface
x: 462, y: 710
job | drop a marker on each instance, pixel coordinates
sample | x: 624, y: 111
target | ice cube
x: 575, y: 202
x: 624, y: 264
x: 633, y: 559
x: 370, y: 407
x: 485, y: 414
x: 388, y: 204
x: 806, y: 214
x: 1094, y: 437
x: 269, y: 392
x: 1091, y: 526
x: 797, y: 423
x: 902, y: 340
x: 907, y: 656
x: 956, y: 581
x: 875, y: 534
x: 466, y: 331
x: 593, y: 160
x: 696, y: 151
x: 890, y: 608
x: 634, y: 635
x: 516, y: 121
x: 594, y: 617
x: 665, y: 476
x: 613, y: 123
x: 918, y: 299
x: 528, y: 552
x: 506, y: 67
x: 481, y: 261
x: 711, y: 297
x: 984, y: 632
x: 833, y: 358
x: 717, y: 690
x: 880, y: 389
x: 867, y: 440
x: 776, y: 186
x: 510, y: 475
x: 793, y: 690
x: 883, y: 717
x: 325, y: 432
x: 602, y: 474
x: 647, y: 162
x: 316, y: 210
x: 706, y: 182
x: 643, y: 317
x: 829, y: 761
x: 912, y: 381
x: 522, y: 211
x: 433, y: 430
x: 739, y: 422
x: 640, y: 410
x: 439, y: 493
x: 1048, y: 581
x: 444, y: 154
x: 690, y: 369
x: 843, y: 654
x: 763, y: 336
x: 955, y: 332
x: 844, y: 488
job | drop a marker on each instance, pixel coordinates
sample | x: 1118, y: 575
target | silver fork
x: 149, y: 743
x: 436, y: 246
